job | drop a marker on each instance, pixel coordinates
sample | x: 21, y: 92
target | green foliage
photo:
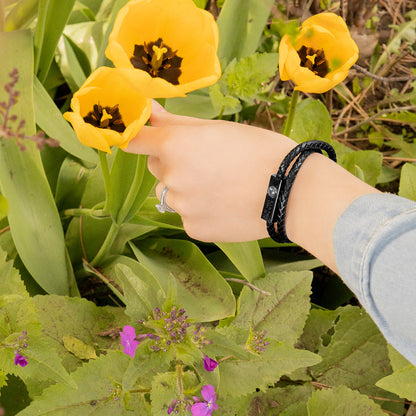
x: 312, y: 122
x: 341, y: 401
x: 407, y: 187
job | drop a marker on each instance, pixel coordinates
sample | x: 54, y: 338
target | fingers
x: 161, y: 117
x: 169, y: 200
x: 155, y: 167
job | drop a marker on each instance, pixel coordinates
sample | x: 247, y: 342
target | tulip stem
x: 291, y: 115
x: 106, y: 175
x: 108, y: 242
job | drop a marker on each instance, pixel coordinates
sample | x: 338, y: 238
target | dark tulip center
x: 158, y: 60
x: 314, y: 60
x: 106, y: 118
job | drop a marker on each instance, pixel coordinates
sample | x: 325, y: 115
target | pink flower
x: 20, y: 360
x: 210, y: 364
x: 128, y: 340
x: 205, y: 408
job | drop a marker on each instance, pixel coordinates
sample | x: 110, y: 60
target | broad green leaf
x: 145, y: 364
x: 52, y: 17
x: 98, y: 390
x: 311, y: 122
x: 341, y: 401
x: 284, y: 312
x: 261, y: 371
x: 364, y: 162
x: 200, y: 104
x: 95, y: 326
x: 241, y: 24
x: 165, y: 390
x: 275, y: 400
x: 71, y: 183
x: 14, y: 397
x: 142, y: 292
x: 222, y: 102
x: 401, y: 382
x: 356, y: 355
x: 50, y: 120
x: 78, y: 348
x: 34, y: 220
x: 245, y: 78
x: 407, y: 188
x: 397, y: 361
x: 246, y: 257
x: 201, y: 290
x: 23, y: 12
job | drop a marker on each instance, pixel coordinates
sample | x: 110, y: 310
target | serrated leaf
x: 78, y: 348
x: 260, y: 371
x: 97, y: 390
x: 407, y: 187
x: 342, y: 401
x: 283, y: 314
x: 201, y: 290
x: 222, y: 102
x: 311, y: 122
x: 245, y: 78
x: 356, y: 355
x: 165, y: 390
x: 61, y: 316
x: 3, y: 379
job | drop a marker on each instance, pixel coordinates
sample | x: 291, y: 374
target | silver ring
x: 163, y: 207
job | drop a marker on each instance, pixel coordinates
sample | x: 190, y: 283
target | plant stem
x: 134, y: 189
x: 78, y: 212
x: 108, y: 242
x: 291, y: 115
x: 179, y: 379
x: 106, y: 175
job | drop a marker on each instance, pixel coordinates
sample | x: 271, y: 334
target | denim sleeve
x: 375, y: 251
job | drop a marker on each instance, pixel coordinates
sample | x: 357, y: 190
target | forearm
x: 320, y: 194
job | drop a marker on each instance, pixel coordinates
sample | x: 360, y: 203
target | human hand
x: 217, y: 172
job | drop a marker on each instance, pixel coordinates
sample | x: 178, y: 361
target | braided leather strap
x: 275, y: 204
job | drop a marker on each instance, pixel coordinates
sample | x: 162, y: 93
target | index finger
x: 147, y: 142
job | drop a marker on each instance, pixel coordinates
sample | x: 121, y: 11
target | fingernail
x: 156, y: 107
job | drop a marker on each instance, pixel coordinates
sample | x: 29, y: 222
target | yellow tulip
x: 107, y: 110
x: 320, y: 56
x: 164, y: 47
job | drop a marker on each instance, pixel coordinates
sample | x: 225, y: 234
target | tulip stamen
x: 158, y: 60
x: 106, y: 118
x: 314, y: 60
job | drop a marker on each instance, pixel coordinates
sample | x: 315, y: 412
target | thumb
x: 160, y: 117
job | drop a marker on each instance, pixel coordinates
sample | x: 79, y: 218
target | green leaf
x: 69, y: 64
x: 50, y: 120
x: 341, y: 401
x: 142, y: 292
x: 33, y: 216
x: 311, y: 122
x: 407, y: 187
x: 261, y: 371
x: 222, y: 102
x: 130, y: 183
x: 79, y: 348
x: 16, y: 394
x: 283, y: 314
x: 201, y: 290
x: 19, y: 17
x: 246, y: 257
x: 366, y: 163
x: 98, y: 390
x: 402, y: 383
x: 95, y: 326
x: 355, y: 355
x: 241, y: 24
x: 52, y: 17
x: 165, y: 390
x: 245, y: 78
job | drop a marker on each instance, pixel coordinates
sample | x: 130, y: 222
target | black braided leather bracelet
x: 275, y: 204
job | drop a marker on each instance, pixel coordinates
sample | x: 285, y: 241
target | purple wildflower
x: 128, y: 340
x: 205, y: 408
x: 20, y: 360
x: 210, y: 364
